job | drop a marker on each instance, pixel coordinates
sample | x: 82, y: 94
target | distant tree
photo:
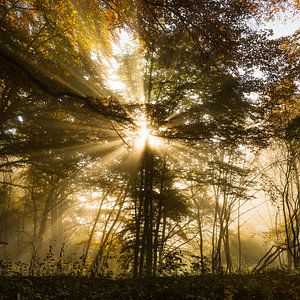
x: 281, y: 179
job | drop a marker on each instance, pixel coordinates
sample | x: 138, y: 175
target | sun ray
x: 114, y: 156
x: 76, y: 125
x: 68, y: 152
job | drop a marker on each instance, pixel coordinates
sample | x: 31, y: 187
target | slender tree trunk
x: 149, y: 211
x: 239, y: 237
x: 87, y: 248
x: 44, y: 219
x: 201, y: 243
x: 163, y: 237
x: 106, y: 235
x: 138, y: 211
x: 142, y: 210
x: 35, y: 218
x: 56, y: 225
x: 158, y: 218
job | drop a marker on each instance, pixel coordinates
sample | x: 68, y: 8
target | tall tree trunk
x: 239, y: 236
x: 158, y: 218
x: 88, y: 245
x: 201, y: 244
x: 106, y: 235
x: 56, y: 225
x: 43, y: 222
x: 148, y: 231
x: 163, y: 237
x: 138, y: 203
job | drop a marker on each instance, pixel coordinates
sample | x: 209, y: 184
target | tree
x: 282, y: 177
x: 199, y: 73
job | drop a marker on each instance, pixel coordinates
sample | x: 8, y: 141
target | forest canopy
x: 134, y: 136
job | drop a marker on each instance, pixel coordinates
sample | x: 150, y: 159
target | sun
x: 125, y: 44
x: 144, y: 136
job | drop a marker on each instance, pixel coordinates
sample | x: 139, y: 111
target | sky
x: 283, y: 25
x: 280, y: 29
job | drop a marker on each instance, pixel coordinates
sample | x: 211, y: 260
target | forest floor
x: 269, y: 285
